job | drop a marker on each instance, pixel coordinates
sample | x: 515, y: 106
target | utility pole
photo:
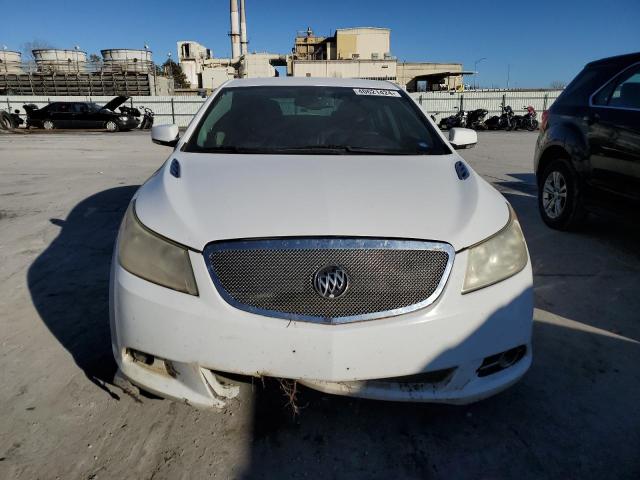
x: 508, y: 74
x: 475, y: 72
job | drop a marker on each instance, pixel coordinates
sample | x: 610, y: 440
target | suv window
x: 315, y: 119
x: 622, y: 92
x: 587, y: 81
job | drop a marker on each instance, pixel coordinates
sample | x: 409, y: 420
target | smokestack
x: 243, y: 29
x: 235, y: 29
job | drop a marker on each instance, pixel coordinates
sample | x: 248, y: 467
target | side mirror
x: 167, y: 135
x: 462, y: 138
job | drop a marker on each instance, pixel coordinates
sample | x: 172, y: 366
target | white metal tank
x: 60, y: 61
x: 127, y: 60
x: 10, y: 62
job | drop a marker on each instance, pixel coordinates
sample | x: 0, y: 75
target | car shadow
x: 69, y: 282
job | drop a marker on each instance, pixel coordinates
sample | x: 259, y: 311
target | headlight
x: 124, y: 119
x: 156, y: 259
x: 496, y: 258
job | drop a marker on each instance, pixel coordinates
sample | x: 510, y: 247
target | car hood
x: 115, y: 103
x: 237, y: 196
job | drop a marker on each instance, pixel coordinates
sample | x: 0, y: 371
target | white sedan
x: 322, y: 231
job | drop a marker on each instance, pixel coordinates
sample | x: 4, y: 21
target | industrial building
x: 205, y: 72
x: 360, y: 52
x: 365, y: 52
x: 68, y: 72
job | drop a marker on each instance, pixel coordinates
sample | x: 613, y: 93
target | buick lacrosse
x: 323, y: 231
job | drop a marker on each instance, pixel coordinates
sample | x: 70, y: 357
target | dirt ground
x: 576, y: 414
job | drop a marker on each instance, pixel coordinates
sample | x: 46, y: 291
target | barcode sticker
x: 377, y: 92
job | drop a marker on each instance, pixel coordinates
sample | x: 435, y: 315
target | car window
x: 93, y: 107
x: 292, y: 119
x: 622, y: 92
x: 63, y: 108
x: 80, y: 108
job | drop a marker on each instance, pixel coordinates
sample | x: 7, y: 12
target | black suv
x: 588, y: 150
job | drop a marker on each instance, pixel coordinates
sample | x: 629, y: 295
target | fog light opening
x: 153, y: 363
x: 141, y: 357
x: 501, y: 361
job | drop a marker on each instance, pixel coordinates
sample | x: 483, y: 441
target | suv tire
x: 560, y: 197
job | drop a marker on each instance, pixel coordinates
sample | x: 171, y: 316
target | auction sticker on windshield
x: 376, y: 92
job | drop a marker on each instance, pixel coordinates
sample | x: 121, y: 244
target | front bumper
x: 202, y: 334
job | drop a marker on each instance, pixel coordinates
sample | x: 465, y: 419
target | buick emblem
x: 330, y: 282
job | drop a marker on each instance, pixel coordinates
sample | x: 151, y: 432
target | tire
x: 111, y: 126
x: 5, y: 121
x: 532, y: 125
x: 48, y: 125
x: 560, y: 199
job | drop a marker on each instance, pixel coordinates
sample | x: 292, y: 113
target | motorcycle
x: 146, y: 113
x: 527, y: 121
x: 459, y: 119
x: 147, y: 119
x: 504, y: 121
x: 9, y: 121
x: 475, y: 119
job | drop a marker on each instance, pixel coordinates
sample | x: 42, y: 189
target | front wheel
x: 532, y: 125
x: 111, y: 126
x: 48, y: 125
x: 560, y: 197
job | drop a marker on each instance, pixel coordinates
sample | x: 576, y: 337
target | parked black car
x: 82, y: 115
x: 588, y: 149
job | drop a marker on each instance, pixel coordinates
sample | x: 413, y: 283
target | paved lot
x: 575, y: 415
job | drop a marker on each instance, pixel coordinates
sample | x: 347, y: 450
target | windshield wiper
x: 230, y: 149
x: 341, y: 150
x: 320, y: 149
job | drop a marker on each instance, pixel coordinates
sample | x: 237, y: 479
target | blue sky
x: 542, y: 40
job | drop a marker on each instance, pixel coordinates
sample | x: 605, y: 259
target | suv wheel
x: 559, y: 196
x: 48, y: 125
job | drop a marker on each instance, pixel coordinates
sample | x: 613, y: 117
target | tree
x: 36, y: 44
x: 557, y: 85
x: 174, y: 70
x: 95, y: 61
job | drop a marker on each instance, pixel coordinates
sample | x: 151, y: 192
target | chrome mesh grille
x: 275, y: 277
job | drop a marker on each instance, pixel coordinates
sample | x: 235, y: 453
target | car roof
x: 312, y: 82
x: 626, y: 59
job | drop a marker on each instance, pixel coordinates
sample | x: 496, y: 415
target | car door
x: 62, y: 115
x: 80, y: 116
x: 614, y: 134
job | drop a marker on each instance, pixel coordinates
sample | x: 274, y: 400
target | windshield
x: 323, y: 120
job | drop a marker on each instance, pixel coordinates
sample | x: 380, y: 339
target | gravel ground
x: 575, y: 415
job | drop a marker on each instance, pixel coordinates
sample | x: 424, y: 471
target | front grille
x: 276, y: 277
